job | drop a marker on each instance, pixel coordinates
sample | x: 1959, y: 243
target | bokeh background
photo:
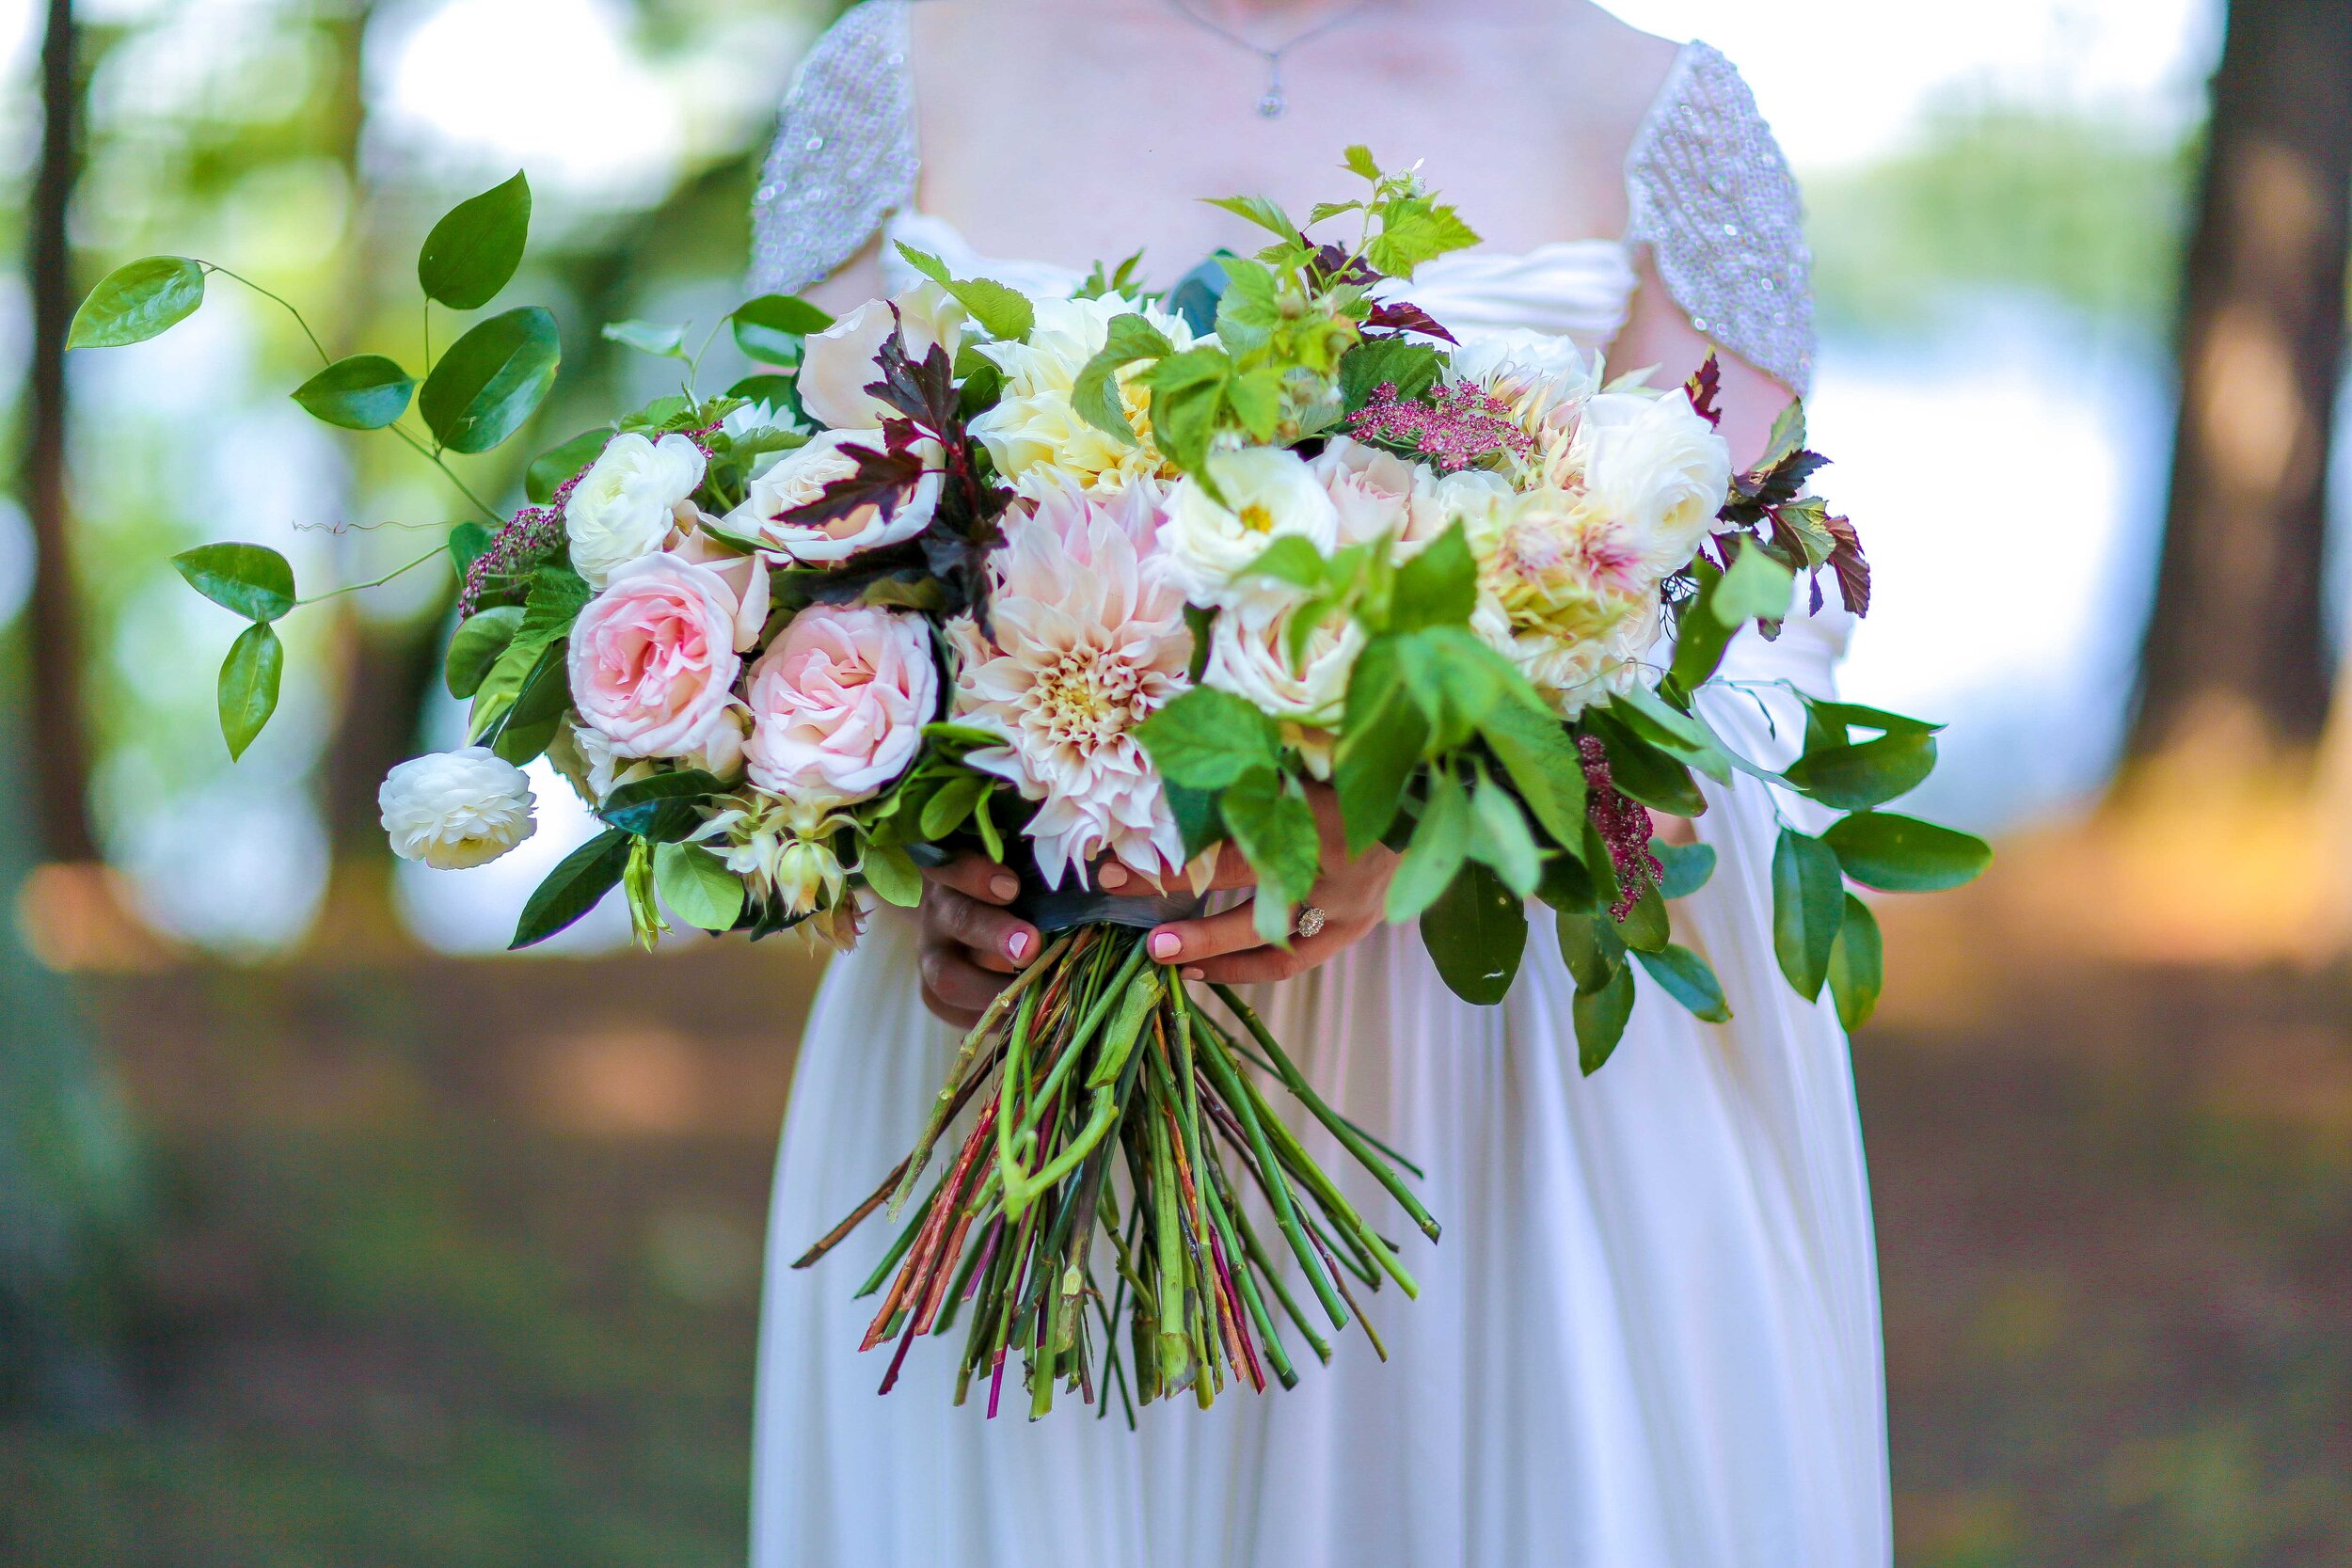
x: 330, y: 1236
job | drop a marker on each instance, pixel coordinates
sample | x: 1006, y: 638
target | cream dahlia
x: 1089, y: 640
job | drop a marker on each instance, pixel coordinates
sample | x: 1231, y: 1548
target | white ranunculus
x: 840, y: 362
x: 1034, y: 434
x: 452, y: 810
x: 1655, y: 465
x: 1249, y: 656
x: 1272, y: 495
x: 627, y: 503
x: 799, y: 477
x: 1543, y: 378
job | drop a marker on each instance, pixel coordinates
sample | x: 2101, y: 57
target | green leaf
x: 1682, y: 736
x: 660, y: 807
x: 1857, y: 966
x: 770, y: 329
x: 1902, y: 854
x: 1808, y: 904
x: 1382, y: 735
x: 474, y: 251
x: 1591, y: 947
x: 1689, y: 979
x: 491, y: 380
x: 1095, y: 391
x: 1757, y: 588
x: 476, y: 645
x: 1438, y: 587
x: 1827, y: 722
x: 1006, y: 313
x: 541, y: 701
x: 1411, y: 368
x: 946, y: 810
x: 136, y: 302
x: 1500, y: 838
x: 576, y: 885
x: 551, y: 469
x: 468, y: 542
x: 249, y: 685
x: 1270, y: 820
x: 1199, y: 820
x: 663, y: 340
x: 366, y: 392
x: 1477, y: 933
x: 1643, y: 772
x: 1567, y: 887
x: 1266, y: 214
x: 1646, y: 926
x: 252, y: 579
x: 1433, y: 858
x: 1857, y: 777
x: 1414, y: 229
x: 697, y: 886
x: 891, y: 872
x: 1600, y: 1019
x: 1786, y: 437
x: 1207, y: 738
x: 1291, y: 559
x: 1686, y: 867
x: 1701, y: 635
x: 1544, y: 764
x: 1357, y: 160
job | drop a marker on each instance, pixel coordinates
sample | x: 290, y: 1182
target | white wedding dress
x: 1650, y: 1337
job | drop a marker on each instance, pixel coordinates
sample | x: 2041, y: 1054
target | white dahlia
x: 1089, y: 642
x: 1566, y: 589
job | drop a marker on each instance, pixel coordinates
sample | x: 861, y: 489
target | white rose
x: 1272, y: 495
x: 1249, y: 656
x: 1035, y: 434
x: 840, y: 362
x: 799, y: 477
x: 452, y: 810
x: 1543, y: 378
x: 1655, y: 465
x: 624, y: 506
x: 759, y: 419
x: 1376, y: 492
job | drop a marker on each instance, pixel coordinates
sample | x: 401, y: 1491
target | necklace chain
x: 1274, y: 101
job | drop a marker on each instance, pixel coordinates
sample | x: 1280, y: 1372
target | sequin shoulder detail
x: 844, y: 154
x: 1709, y: 193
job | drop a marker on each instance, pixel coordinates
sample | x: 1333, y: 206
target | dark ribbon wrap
x: 1055, y: 909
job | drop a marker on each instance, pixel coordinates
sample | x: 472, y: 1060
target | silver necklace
x: 1274, y: 101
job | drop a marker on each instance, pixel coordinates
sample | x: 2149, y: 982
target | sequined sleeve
x: 1711, y: 196
x: 845, y: 152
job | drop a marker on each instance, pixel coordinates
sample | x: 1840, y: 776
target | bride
x: 1651, y: 1337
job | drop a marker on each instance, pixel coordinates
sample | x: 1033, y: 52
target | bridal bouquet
x: 1119, y: 577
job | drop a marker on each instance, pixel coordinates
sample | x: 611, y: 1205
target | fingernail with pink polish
x: 1165, y: 946
x: 1196, y: 973
x: 1111, y: 876
x: 1018, y: 945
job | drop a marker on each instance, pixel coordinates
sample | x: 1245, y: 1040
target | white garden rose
x: 799, y: 477
x: 840, y: 362
x: 452, y: 810
x: 1377, y: 493
x: 1655, y: 463
x: 1269, y: 494
x: 629, y: 501
x: 1036, y: 437
x: 1249, y: 656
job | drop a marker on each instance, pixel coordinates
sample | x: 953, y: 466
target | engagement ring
x: 1310, y: 921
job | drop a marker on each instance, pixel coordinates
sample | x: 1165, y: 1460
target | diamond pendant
x: 1273, y: 103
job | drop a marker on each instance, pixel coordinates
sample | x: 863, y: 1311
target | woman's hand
x: 968, y: 943
x: 1225, y: 948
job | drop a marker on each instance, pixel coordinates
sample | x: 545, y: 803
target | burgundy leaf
x: 1705, y: 386
x: 1853, y: 572
x: 1400, y: 315
x: 882, y: 480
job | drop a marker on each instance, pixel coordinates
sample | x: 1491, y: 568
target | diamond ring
x: 1310, y: 922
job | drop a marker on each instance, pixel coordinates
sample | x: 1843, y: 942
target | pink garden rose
x: 655, y: 656
x: 839, y: 703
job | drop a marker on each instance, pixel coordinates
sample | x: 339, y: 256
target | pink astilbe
x: 1624, y: 825
x: 1463, y: 424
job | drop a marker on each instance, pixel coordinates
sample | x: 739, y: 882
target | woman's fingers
x: 954, y: 988
x: 1189, y: 942
x: 997, y: 941
x: 976, y: 877
x: 1260, y: 965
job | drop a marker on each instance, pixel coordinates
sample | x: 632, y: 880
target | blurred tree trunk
x: 389, y: 666
x: 2233, y: 668
x: 59, y: 742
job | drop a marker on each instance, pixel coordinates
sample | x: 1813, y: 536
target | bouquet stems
x: 1110, y: 1103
